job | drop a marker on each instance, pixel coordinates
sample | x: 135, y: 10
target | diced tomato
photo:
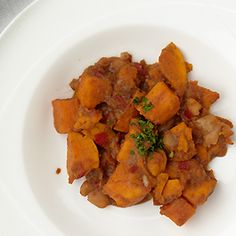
x: 101, y: 138
x: 188, y: 114
x: 138, y: 66
x: 98, y: 74
x: 140, y: 69
x: 183, y: 165
x: 133, y: 168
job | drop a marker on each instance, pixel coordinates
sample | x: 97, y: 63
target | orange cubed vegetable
x: 101, y: 134
x: 186, y: 171
x: 82, y: 156
x: 179, y: 141
x: 197, y: 194
x: 128, y: 186
x: 93, y: 90
x: 172, y: 190
x: 202, y: 155
x: 159, y: 105
x: 161, y: 182
x: 128, y: 148
x: 122, y: 123
x: 157, y: 163
x: 173, y: 67
x: 179, y: 211
x: 65, y: 114
x: 87, y: 118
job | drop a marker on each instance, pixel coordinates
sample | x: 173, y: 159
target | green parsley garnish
x: 144, y: 100
x: 147, y: 105
x: 132, y: 152
x: 136, y: 101
x: 132, y: 123
x: 147, y: 141
x: 110, y: 122
x: 132, y: 136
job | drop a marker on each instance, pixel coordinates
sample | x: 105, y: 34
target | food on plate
x: 58, y: 171
x: 138, y: 131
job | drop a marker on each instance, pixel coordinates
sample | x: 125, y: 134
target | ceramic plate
x: 52, y: 42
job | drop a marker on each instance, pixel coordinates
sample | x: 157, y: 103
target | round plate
x: 47, y: 46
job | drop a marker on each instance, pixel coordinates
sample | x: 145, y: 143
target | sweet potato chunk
x: 157, y: 163
x: 127, y: 186
x: 179, y: 141
x: 167, y: 190
x: 82, y: 156
x: 122, y: 123
x: 190, y: 171
x: 173, y: 67
x: 87, y: 118
x: 105, y: 137
x: 161, y: 182
x: 172, y: 190
x: 65, y: 114
x: 161, y: 102
x: 101, y: 134
x: 179, y: 211
x: 93, y: 90
x: 202, y: 155
x: 197, y: 194
x: 128, y: 148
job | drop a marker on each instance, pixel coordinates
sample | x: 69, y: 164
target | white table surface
x: 9, y: 9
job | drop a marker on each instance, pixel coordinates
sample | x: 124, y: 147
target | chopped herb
x: 146, y: 104
x: 142, y: 123
x: 132, y: 136
x: 147, y: 141
x: 160, y: 143
x: 132, y: 152
x: 136, y: 101
x: 147, y: 107
x: 144, y: 100
x: 142, y: 151
x: 132, y: 123
x: 171, y: 154
x: 110, y: 122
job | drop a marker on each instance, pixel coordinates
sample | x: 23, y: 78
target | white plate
x: 52, y: 42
